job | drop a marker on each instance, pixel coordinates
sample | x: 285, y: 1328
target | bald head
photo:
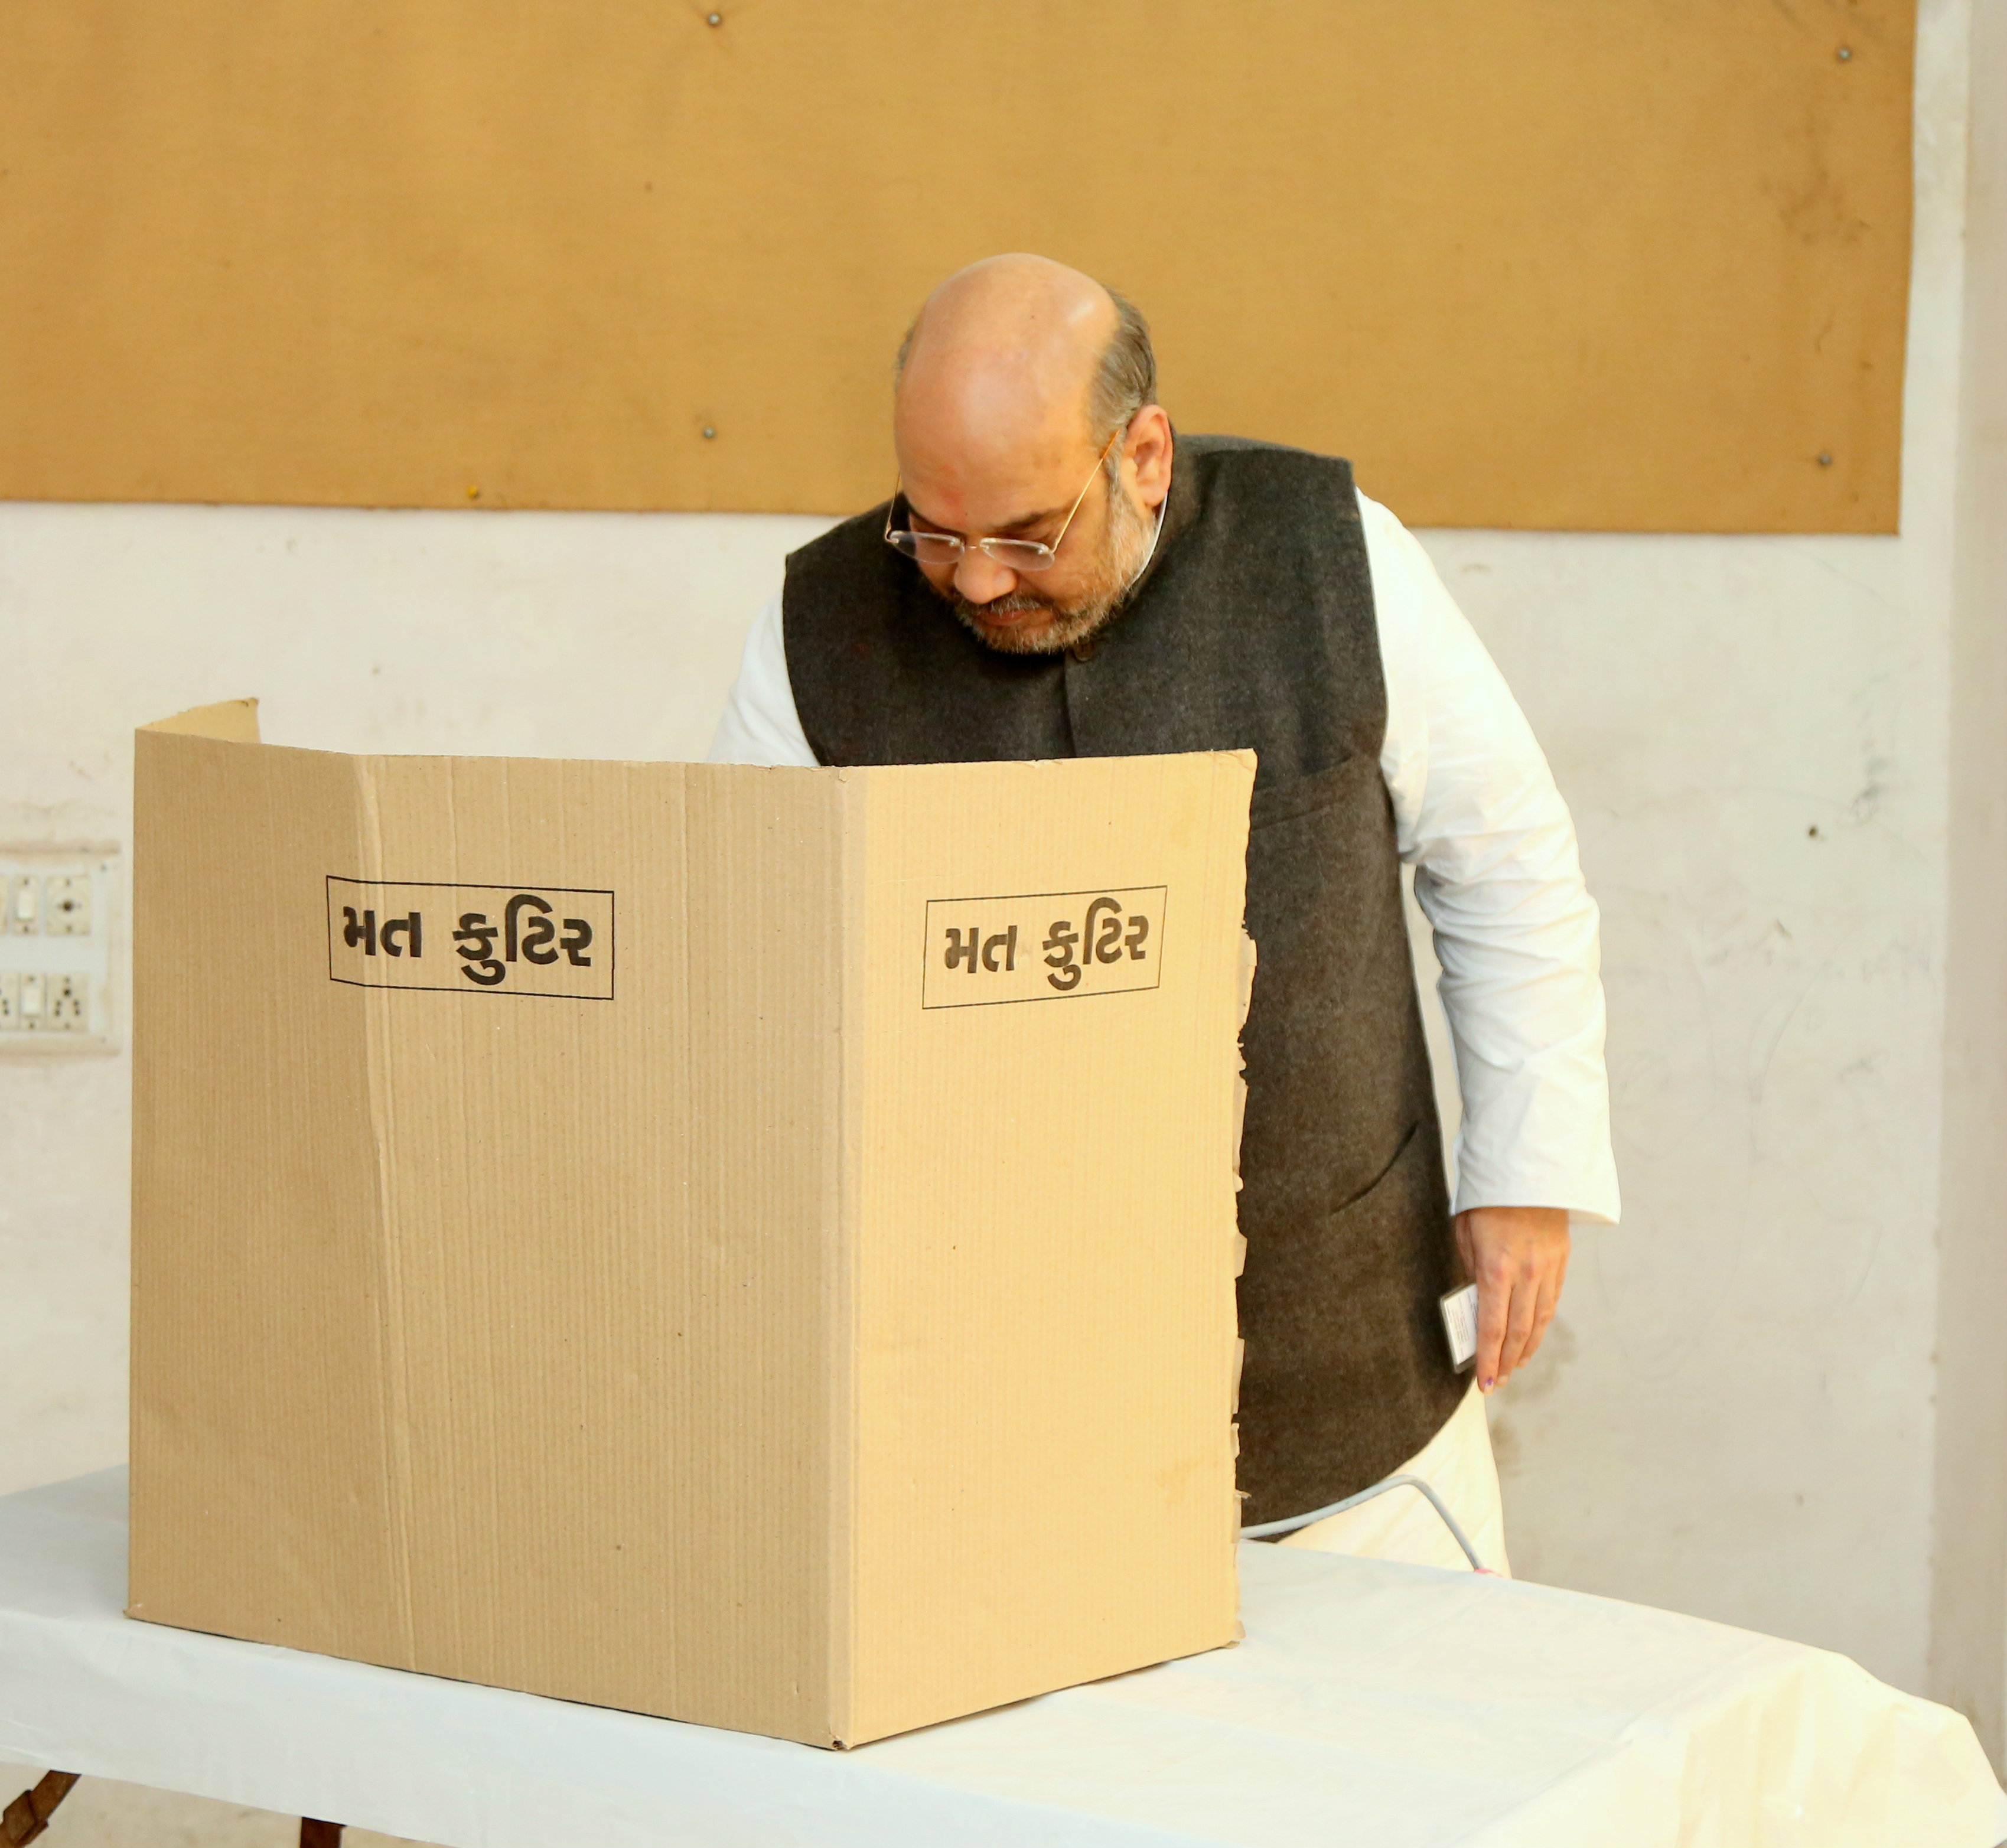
x: 1001, y: 363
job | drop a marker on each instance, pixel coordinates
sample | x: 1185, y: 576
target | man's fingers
x: 1493, y: 1305
x: 1490, y: 1311
x: 1466, y: 1244
x: 1524, y: 1278
x: 1549, y: 1301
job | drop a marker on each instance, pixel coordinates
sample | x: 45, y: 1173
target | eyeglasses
x: 1018, y: 555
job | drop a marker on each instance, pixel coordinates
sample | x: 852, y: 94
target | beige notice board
x: 1544, y: 264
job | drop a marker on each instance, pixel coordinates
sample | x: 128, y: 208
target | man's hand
x: 1517, y: 1256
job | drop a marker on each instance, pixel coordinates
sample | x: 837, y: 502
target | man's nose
x: 980, y: 579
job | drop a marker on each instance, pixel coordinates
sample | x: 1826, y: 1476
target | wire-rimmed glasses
x: 1015, y: 555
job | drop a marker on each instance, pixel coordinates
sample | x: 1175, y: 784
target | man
x: 1060, y: 574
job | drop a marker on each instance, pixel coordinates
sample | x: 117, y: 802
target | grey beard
x: 1123, y: 545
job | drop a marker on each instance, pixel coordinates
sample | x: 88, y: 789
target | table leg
x: 319, y: 1835
x: 29, y: 1814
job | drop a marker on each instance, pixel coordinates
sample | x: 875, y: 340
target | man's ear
x: 1147, y: 454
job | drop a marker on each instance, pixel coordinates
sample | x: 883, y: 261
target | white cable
x: 1268, y: 1529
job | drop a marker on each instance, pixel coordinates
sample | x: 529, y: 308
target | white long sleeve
x: 760, y: 725
x: 1476, y: 812
x: 1497, y: 873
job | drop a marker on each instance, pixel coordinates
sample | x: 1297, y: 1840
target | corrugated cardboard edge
x: 232, y: 722
x: 1250, y: 955
x: 853, y: 822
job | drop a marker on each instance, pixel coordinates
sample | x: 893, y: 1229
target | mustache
x: 1018, y: 603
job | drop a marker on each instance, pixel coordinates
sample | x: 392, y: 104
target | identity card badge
x: 1459, y: 1314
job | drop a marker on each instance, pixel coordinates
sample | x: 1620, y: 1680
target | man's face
x: 1027, y: 498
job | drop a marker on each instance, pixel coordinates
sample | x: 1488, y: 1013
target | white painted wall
x: 1734, y: 1416
x: 1969, y: 1587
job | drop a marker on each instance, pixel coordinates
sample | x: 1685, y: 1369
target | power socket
x: 65, y: 1003
x: 66, y: 905
x: 59, y: 911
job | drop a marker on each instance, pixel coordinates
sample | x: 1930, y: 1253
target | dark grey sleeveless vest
x: 1252, y: 626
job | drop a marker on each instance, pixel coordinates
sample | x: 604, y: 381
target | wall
x: 1734, y: 1416
x: 1969, y: 1628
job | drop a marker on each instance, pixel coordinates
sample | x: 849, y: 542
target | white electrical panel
x: 59, y: 907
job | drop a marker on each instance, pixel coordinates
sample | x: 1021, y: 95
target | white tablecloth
x: 1373, y: 1704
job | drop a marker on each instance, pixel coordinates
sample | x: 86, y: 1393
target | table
x: 1372, y: 1703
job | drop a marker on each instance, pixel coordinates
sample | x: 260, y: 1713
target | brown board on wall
x: 1640, y: 266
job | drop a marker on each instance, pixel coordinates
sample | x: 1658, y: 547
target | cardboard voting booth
x: 754, y: 1246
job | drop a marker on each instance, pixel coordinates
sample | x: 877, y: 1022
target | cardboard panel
x: 239, y: 1175
x: 1540, y: 265
x: 1042, y: 1250
x: 485, y: 1331
x: 569, y: 1254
